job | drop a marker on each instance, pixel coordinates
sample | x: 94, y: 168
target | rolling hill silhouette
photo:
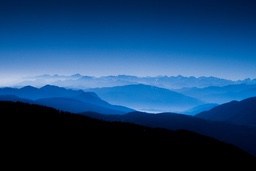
x: 38, y: 130
x: 241, y: 136
x: 147, y: 98
x: 76, y: 101
x: 235, y: 112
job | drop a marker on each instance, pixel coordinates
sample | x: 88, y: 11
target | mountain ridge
x: 169, y: 82
x: 79, y: 101
x: 239, y: 135
x: 215, y: 94
x: 237, y: 112
x: 147, y: 98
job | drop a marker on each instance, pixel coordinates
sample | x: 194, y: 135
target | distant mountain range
x: 209, y: 90
x: 137, y: 96
x: 214, y: 94
x: 147, y: 98
x: 170, y: 82
x: 75, y: 101
x: 39, y: 131
x: 235, y: 112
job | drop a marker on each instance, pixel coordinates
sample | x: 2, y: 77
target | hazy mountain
x: 200, y: 108
x: 223, y: 94
x: 77, y: 106
x: 38, y: 131
x: 147, y: 98
x: 46, y: 79
x: 12, y: 98
x: 63, y: 99
x: 236, y: 112
x: 241, y: 136
x: 170, y: 82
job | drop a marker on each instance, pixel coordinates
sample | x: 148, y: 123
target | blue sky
x: 153, y: 37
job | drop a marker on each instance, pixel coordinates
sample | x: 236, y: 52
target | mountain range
x: 170, y: 82
x: 147, y: 98
x: 75, y: 101
x: 139, y: 97
x: 210, y: 90
x: 215, y: 94
x: 232, y: 123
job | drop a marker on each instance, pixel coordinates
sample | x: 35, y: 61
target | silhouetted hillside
x: 47, y: 131
x: 241, y: 136
x: 236, y: 112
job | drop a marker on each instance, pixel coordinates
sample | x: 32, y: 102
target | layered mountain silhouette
x: 147, y: 98
x: 241, y: 136
x: 235, y: 112
x: 233, y: 122
x: 39, y: 131
x: 76, y: 101
x: 214, y: 94
x: 170, y: 82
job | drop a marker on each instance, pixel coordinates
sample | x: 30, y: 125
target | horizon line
x: 139, y: 76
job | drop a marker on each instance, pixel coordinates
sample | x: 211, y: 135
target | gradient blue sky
x: 135, y: 37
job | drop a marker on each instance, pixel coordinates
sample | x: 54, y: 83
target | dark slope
x: 236, y: 112
x: 56, y: 134
x: 75, y: 101
x: 147, y: 98
x: 241, y: 136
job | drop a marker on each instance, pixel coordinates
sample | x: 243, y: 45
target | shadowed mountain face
x: 76, y: 101
x: 39, y: 130
x: 236, y: 112
x: 147, y: 98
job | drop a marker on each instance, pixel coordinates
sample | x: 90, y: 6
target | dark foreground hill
x: 31, y: 130
x: 241, y: 136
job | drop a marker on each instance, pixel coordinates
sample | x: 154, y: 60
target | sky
x: 133, y: 37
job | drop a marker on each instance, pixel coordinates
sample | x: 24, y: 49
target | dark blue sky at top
x: 142, y: 37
